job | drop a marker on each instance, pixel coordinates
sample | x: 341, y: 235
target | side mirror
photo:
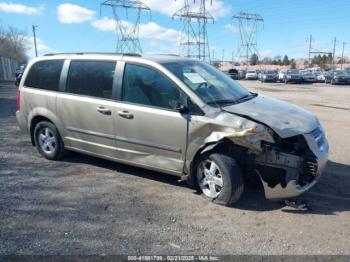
x: 179, y: 107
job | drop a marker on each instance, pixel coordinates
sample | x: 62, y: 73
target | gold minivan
x: 173, y: 115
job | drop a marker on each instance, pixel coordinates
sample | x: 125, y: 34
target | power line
x: 194, y: 36
x: 127, y: 33
x: 248, y: 26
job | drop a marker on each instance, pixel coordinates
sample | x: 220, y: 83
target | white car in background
x: 281, y: 75
x: 251, y: 75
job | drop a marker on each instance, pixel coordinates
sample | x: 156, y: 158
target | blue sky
x: 76, y: 25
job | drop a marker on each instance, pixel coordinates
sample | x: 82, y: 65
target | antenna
x: 248, y: 27
x: 194, y: 35
x: 127, y: 33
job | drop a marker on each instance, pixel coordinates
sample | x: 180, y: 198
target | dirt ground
x: 84, y: 205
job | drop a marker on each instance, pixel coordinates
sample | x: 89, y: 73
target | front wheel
x: 48, y: 141
x: 219, y: 178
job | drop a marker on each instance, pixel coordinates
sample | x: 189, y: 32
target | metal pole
x: 310, y: 44
x: 342, y: 56
x: 35, y: 46
x: 335, y: 43
x: 223, y: 55
x: 232, y: 58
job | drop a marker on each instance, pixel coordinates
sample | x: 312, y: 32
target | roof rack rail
x: 94, y: 53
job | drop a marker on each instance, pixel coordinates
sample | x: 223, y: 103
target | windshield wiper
x: 233, y: 101
x: 247, y: 97
x: 223, y: 101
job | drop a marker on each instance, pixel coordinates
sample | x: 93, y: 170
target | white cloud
x: 41, y: 46
x: 152, y: 30
x: 149, y: 30
x: 216, y: 9
x: 104, y: 24
x: 20, y: 9
x: 71, y: 14
x: 232, y: 28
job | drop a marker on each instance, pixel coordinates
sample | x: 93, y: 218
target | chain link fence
x: 8, y: 68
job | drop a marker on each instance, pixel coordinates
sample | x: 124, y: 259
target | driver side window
x: 146, y: 86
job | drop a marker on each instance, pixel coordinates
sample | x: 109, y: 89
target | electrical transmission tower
x: 127, y: 33
x: 248, y: 29
x: 194, y: 36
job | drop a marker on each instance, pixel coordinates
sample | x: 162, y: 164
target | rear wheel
x: 219, y: 178
x: 48, y: 141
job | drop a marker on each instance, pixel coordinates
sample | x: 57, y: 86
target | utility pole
x: 334, y: 45
x: 194, y: 32
x: 223, y: 57
x: 127, y: 33
x: 34, y: 34
x: 233, y: 54
x: 310, y: 46
x: 342, y: 56
x: 248, y: 27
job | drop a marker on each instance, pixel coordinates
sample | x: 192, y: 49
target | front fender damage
x: 250, y: 137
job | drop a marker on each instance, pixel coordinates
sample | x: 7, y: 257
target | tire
x: 48, y: 141
x: 230, y: 174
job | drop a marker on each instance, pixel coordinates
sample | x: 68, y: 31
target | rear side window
x: 45, y: 75
x: 91, y: 78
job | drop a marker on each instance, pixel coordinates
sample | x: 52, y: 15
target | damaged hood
x: 284, y: 118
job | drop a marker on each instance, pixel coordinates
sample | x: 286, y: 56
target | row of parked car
x: 293, y: 76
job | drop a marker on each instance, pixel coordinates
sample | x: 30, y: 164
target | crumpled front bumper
x: 293, y: 189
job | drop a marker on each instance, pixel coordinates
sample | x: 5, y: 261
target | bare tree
x: 12, y: 44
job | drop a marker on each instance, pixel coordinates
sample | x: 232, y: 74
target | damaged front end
x: 286, y: 158
x: 290, y: 166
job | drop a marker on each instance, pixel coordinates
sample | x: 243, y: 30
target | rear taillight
x: 18, y: 100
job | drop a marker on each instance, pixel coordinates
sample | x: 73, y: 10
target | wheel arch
x: 42, y: 114
x: 223, y: 146
x: 35, y: 120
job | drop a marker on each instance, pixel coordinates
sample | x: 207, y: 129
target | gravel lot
x: 84, y: 205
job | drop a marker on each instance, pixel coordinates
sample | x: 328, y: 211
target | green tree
x: 254, y: 59
x: 286, y: 60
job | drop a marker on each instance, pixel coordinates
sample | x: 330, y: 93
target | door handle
x: 104, y: 110
x: 126, y: 114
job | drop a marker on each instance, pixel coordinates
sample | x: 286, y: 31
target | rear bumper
x: 21, y: 121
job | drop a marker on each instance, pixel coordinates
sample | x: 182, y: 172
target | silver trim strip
x: 126, y: 140
x: 88, y: 132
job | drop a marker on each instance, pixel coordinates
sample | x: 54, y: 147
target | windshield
x: 339, y: 73
x: 293, y: 72
x: 270, y: 72
x: 210, y: 84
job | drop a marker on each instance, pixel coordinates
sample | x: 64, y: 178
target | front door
x: 149, y: 131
